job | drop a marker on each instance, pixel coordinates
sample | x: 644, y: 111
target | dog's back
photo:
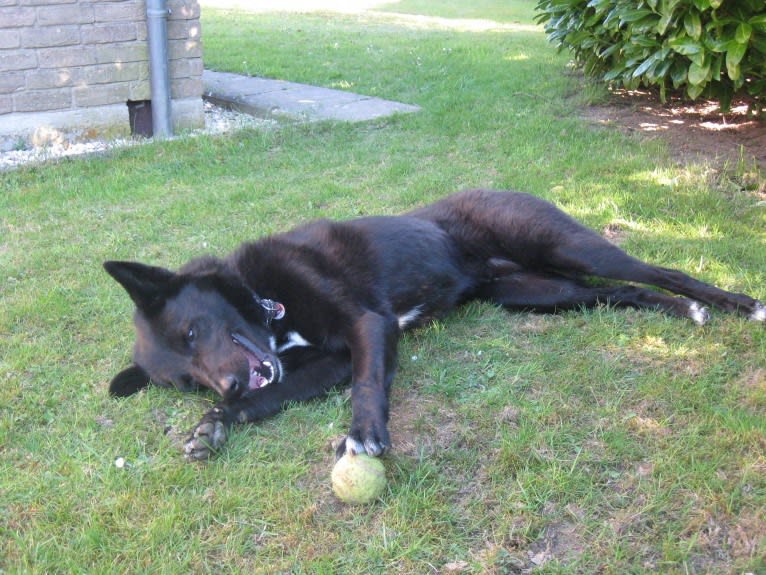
x: 391, y: 264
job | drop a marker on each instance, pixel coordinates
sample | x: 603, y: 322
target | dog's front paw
x: 373, y: 444
x: 207, y: 438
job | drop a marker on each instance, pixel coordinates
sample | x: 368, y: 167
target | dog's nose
x: 230, y: 385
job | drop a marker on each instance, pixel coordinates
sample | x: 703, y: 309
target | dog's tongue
x: 257, y: 382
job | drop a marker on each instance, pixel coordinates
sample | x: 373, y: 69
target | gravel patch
x: 218, y: 121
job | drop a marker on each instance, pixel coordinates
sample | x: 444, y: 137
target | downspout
x: 157, y: 32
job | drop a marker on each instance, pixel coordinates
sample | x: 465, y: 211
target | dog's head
x: 200, y: 327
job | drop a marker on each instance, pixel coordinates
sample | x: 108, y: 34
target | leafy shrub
x: 710, y: 48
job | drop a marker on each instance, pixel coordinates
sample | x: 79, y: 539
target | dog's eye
x: 190, y: 336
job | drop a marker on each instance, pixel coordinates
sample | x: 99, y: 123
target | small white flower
x: 119, y: 463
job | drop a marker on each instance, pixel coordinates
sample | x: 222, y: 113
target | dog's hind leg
x: 305, y: 382
x: 595, y: 256
x: 538, y: 236
x: 531, y: 291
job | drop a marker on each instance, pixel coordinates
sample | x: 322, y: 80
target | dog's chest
x: 289, y: 340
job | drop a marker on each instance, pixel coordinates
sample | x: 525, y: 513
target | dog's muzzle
x: 265, y: 368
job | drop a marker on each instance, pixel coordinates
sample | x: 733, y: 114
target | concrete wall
x: 69, y: 67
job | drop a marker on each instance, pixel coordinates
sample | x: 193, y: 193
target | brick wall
x: 69, y: 67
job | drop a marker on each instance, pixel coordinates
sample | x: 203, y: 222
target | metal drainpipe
x: 157, y: 31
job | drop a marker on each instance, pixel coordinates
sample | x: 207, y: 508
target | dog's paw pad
x: 758, y: 313
x: 698, y: 313
x: 207, y: 438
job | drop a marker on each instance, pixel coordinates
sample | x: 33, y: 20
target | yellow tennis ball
x: 358, y: 479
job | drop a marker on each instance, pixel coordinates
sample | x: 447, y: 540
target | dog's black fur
x: 291, y: 316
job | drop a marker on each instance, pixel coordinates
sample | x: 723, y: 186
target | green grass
x: 501, y: 12
x: 595, y: 442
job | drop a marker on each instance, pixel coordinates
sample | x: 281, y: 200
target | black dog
x: 290, y: 316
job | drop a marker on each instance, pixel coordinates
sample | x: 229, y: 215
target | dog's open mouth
x: 264, y: 369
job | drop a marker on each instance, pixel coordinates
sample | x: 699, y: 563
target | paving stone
x: 273, y: 98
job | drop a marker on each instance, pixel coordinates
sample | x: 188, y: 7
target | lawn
x: 605, y: 441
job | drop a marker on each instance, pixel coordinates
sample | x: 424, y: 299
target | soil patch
x: 697, y: 132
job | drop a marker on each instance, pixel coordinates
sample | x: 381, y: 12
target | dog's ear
x: 147, y: 286
x: 128, y: 382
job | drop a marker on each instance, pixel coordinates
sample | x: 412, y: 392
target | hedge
x: 710, y: 48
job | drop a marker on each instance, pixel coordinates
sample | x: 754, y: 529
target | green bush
x: 710, y: 48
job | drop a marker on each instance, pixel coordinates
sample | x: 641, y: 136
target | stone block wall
x: 68, y: 68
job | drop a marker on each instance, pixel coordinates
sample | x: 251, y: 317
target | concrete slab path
x: 274, y: 98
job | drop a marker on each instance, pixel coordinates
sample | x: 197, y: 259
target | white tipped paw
x: 353, y: 446
x: 758, y: 313
x: 698, y: 313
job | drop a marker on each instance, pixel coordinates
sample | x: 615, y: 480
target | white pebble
x: 217, y: 121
